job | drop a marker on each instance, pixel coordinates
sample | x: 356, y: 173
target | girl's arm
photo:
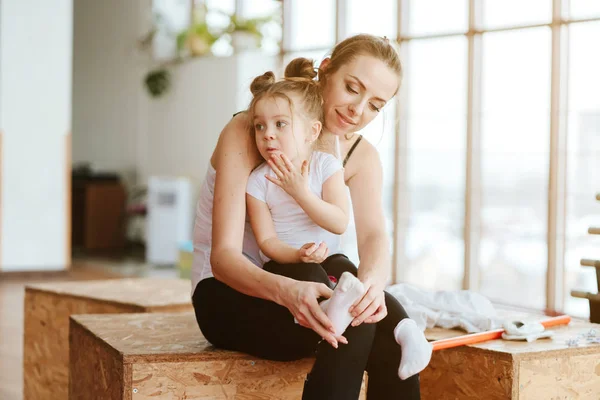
x: 331, y: 212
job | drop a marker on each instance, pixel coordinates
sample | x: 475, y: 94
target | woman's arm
x: 331, y: 212
x: 373, y: 245
x: 234, y: 159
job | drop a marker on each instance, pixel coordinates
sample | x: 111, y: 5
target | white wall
x: 118, y: 126
x: 184, y: 125
x: 108, y: 97
x: 35, y: 117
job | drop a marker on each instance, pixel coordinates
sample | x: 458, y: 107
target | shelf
x: 590, y: 263
x: 585, y: 295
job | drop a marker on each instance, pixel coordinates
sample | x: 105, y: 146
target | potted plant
x: 246, y: 33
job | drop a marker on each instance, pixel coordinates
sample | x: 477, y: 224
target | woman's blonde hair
x: 366, y: 45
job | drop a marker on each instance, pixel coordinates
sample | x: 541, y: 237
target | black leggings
x: 232, y: 320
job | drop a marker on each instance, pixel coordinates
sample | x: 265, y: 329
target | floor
x: 11, y: 308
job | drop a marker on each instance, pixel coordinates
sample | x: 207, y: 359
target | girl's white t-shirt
x: 292, y: 225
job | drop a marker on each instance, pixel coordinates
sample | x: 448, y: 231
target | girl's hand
x: 301, y: 298
x: 371, y: 307
x: 311, y: 253
x: 289, y: 178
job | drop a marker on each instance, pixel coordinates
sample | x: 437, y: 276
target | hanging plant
x: 158, y: 82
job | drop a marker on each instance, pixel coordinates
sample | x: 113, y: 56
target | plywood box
x: 152, y: 356
x: 499, y: 369
x: 47, y: 310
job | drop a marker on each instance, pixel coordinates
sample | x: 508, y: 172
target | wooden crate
x: 47, y: 310
x: 499, y: 369
x: 151, y: 356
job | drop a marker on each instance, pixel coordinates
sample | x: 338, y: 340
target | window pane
x: 224, y: 6
x: 170, y: 17
x: 498, y: 13
x: 583, y: 164
x: 432, y: 223
x: 377, y: 17
x: 449, y: 16
x: 515, y: 158
x: 217, y: 13
x: 271, y: 30
x: 217, y: 19
x: 312, y: 24
x: 584, y: 8
x: 259, y: 8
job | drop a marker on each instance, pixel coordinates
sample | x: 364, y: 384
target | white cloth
x: 201, y: 268
x: 292, y: 225
x: 529, y: 331
x: 447, y: 309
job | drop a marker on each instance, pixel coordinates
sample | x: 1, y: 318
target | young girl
x: 287, y: 118
x: 298, y: 211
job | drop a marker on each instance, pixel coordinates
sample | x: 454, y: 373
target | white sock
x: 416, y: 350
x: 348, y: 290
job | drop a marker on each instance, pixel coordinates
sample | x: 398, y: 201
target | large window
x: 583, y: 161
x: 496, y: 160
x: 433, y: 193
x: 514, y: 165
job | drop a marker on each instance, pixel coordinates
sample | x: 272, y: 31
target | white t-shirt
x: 292, y: 225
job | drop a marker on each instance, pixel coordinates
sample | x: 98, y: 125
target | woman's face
x: 356, y: 93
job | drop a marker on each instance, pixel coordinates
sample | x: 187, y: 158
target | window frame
x: 556, y: 219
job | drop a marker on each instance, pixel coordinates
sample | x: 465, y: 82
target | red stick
x: 490, y: 335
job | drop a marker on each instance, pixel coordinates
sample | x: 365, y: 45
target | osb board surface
x: 555, y: 347
x: 171, y: 359
x: 143, y: 292
x: 575, y: 377
x: 521, y: 349
x: 155, y: 337
x: 46, y: 341
x: 95, y: 372
x: 226, y: 379
x: 458, y: 374
x: 437, y: 333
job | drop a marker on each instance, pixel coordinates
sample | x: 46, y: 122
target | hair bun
x: 262, y: 82
x: 300, y: 68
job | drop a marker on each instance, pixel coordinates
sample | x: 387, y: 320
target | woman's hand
x: 371, y: 307
x: 311, y: 253
x: 289, y: 178
x: 301, y: 298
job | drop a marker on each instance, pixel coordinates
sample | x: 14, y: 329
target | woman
x: 242, y: 307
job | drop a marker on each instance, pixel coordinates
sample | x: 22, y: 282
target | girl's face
x: 355, y: 93
x: 278, y: 130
